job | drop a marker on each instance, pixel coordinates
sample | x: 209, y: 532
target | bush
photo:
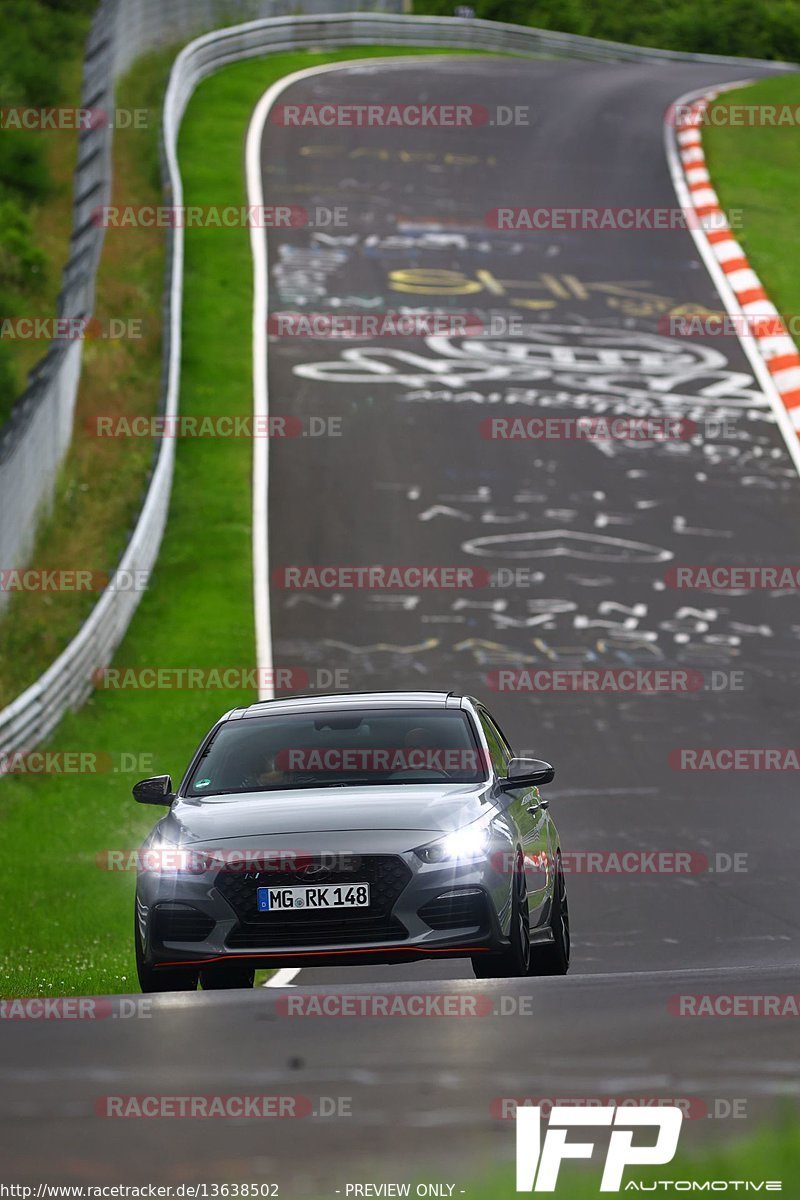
x: 750, y: 28
x: 41, y: 47
x: 21, y: 262
x: 23, y: 170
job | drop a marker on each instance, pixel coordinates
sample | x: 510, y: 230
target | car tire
x: 160, y: 979
x: 514, y: 959
x: 553, y: 958
x: 228, y: 975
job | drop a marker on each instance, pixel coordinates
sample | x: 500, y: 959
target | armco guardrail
x: 124, y: 29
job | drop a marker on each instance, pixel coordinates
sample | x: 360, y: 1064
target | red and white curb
x: 764, y: 325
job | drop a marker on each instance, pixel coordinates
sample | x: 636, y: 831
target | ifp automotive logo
x: 538, y: 1163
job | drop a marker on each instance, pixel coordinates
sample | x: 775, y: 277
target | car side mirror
x: 527, y: 772
x: 157, y: 790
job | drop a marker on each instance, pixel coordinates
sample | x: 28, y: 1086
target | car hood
x: 429, y: 808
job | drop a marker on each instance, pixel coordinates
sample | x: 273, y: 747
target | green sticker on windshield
x: 202, y: 783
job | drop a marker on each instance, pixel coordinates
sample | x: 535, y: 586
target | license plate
x: 314, y: 897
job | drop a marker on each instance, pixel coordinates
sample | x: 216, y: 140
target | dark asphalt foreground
x: 412, y: 481
x: 421, y: 1090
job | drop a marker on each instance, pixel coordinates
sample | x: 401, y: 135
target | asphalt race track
x: 412, y: 481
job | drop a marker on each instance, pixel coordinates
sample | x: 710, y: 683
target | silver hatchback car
x: 364, y: 828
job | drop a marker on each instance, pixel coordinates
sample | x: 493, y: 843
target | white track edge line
x: 283, y: 978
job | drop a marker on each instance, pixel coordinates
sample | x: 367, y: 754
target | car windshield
x: 337, y: 748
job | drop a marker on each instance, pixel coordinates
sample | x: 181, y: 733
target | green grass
x: 757, y: 170
x: 72, y: 934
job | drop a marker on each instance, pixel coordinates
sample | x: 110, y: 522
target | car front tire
x: 222, y: 976
x: 514, y: 959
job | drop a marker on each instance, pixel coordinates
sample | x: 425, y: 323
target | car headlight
x: 166, y: 859
x: 464, y: 845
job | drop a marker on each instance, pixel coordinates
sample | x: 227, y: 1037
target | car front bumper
x: 417, y: 911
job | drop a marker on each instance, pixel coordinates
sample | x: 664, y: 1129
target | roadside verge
x: 754, y: 318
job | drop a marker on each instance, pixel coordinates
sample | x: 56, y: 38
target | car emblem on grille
x: 314, y: 871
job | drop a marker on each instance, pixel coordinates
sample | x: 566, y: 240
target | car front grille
x: 287, y: 930
x: 456, y: 910
x: 386, y: 875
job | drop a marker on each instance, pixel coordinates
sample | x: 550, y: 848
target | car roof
x: 338, y: 700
